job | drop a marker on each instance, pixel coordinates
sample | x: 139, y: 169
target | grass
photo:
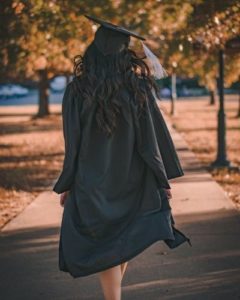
x: 31, y: 155
x: 32, y: 150
x: 196, y: 121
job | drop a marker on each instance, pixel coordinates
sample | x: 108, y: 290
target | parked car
x: 12, y: 90
x: 192, y: 92
x: 58, y: 84
x: 165, y: 92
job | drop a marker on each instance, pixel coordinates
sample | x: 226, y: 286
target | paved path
x: 210, y: 269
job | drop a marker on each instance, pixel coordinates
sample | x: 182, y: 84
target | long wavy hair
x: 100, y: 78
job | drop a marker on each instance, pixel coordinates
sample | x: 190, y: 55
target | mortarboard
x: 110, y: 38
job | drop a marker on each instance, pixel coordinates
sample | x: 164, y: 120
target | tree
x: 40, y: 39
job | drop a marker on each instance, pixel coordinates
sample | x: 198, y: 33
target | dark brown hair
x: 100, y: 78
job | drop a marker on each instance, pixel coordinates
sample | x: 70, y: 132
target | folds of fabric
x: 165, y: 143
x: 147, y: 144
x: 117, y: 204
x: 71, y: 107
x: 154, y: 141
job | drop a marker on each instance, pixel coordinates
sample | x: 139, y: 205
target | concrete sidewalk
x: 210, y: 269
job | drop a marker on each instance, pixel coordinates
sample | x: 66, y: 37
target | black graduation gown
x: 117, y: 205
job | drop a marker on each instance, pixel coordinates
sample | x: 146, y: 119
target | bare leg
x: 110, y: 280
x: 123, y: 268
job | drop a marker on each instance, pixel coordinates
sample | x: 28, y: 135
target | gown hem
x: 170, y: 242
x: 117, y: 262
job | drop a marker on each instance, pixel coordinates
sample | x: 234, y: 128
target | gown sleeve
x: 147, y: 143
x: 165, y: 143
x: 72, y: 135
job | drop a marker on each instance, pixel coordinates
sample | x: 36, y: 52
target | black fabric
x: 115, y: 28
x: 110, y: 38
x: 108, y: 42
x: 165, y: 143
x: 117, y: 205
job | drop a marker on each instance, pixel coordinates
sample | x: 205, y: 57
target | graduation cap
x: 110, y: 38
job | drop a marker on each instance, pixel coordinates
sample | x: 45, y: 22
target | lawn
x: 31, y: 154
x: 196, y: 121
x: 32, y: 150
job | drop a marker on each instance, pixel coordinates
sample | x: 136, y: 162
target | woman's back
x: 118, y: 158
x: 109, y: 173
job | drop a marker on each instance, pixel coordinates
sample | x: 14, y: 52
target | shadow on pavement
x: 210, y: 269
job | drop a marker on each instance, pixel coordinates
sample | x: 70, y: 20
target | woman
x: 119, y: 157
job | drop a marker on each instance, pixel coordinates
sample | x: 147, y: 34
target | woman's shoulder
x: 72, y: 85
x: 72, y: 95
x: 72, y: 88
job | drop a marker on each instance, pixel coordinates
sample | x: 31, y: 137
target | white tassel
x: 157, y: 70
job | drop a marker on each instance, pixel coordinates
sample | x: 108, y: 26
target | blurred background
x: 197, y: 42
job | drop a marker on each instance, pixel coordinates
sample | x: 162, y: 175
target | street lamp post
x: 221, y: 160
x: 231, y: 46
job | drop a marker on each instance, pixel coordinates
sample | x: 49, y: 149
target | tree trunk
x: 173, y: 94
x: 43, y: 108
x: 238, y: 113
x: 212, y: 97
